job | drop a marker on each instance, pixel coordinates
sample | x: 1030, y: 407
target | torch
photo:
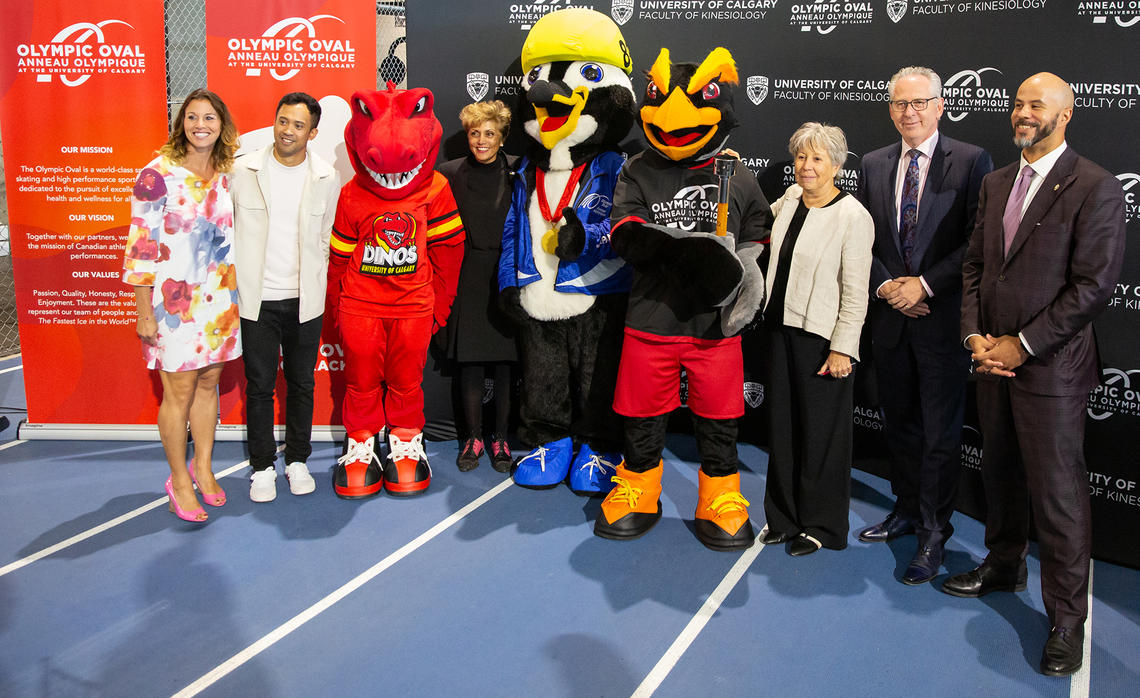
x: 723, y: 167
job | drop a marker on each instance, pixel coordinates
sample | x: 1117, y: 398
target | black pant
x: 275, y: 334
x: 809, y: 464
x: 716, y: 443
x: 922, y: 389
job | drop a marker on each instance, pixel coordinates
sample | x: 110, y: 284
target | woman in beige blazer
x: 818, y: 271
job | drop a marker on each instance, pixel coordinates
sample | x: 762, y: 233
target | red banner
x: 83, y: 107
x: 257, y: 52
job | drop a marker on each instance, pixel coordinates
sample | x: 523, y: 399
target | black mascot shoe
x: 406, y: 469
x: 357, y: 474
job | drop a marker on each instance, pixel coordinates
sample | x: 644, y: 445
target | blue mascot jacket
x: 598, y: 270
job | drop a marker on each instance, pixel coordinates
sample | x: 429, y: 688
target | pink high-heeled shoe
x: 198, y: 515
x: 214, y: 500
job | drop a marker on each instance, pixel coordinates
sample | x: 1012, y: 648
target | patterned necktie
x: 908, y: 209
x: 1012, y: 217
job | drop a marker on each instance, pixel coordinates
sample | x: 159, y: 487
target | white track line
x: 80, y: 537
x: 327, y: 602
x: 1079, y: 683
x: 681, y: 644
x: 15, y: 442
x: 11, y: 368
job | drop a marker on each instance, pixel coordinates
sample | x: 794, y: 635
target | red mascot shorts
x: 649, y: 376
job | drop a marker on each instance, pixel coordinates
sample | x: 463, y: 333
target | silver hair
x: 935, y: 81
x: 820, y: 138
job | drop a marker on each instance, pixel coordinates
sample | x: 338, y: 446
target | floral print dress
x: 181, y: 244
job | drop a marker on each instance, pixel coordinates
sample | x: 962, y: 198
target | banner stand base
x: 149, y: 432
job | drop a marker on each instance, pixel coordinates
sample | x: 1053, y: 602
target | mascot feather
x: 693, y: 291
x: 558, y: 276
x: 395, y: 253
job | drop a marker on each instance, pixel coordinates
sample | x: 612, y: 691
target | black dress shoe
x: 770, y: 537
x: 924, y: 566
x: 894, y: 526
x: 1064, y: 651
x: 803, y: 545
x: 986, y: 578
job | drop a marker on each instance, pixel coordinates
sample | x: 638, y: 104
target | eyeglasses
x: 916, y: 104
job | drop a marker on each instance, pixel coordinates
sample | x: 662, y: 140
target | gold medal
x: 550, y: 240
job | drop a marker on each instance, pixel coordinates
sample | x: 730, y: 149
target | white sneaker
x: 300, y: 481
x: 263, y: 485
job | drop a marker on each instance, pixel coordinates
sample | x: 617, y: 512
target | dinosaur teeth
x: 395, y: 180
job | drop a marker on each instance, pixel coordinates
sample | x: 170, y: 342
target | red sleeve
x: 445, y: 238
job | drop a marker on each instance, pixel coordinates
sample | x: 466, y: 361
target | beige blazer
x: 830, y: 269
x: 251, y: 230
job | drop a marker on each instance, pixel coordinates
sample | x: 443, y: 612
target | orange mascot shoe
x: 722, y: 514
x: 633, y: 506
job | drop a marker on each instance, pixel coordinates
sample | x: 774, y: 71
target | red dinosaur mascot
x: 397, y: 244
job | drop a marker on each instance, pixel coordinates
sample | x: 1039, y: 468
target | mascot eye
x: 711, y: 91
x: 592, y: 72
x: 421, y: 105
x: 651, y: 90
x: 363, y: 108
x: 532, y: 76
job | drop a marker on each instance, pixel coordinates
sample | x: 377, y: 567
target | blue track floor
x: 480, y: 589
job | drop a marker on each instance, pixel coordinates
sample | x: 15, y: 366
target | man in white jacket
x: 284, y: 202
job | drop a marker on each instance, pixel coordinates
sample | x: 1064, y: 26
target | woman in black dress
x: 479, y: 338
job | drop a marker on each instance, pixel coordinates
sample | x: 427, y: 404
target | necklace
x: 550, y: 238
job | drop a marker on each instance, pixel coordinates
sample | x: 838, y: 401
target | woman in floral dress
x: 179, y: 259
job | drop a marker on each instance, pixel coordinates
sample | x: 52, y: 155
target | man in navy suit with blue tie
x: 922, y: 194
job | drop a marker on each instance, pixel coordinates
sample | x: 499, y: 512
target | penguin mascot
x: 395, y: 253
x: 693, y: 292
x: 558, y: 276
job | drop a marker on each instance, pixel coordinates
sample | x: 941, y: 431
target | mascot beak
x: 678, y: 128
x: 559, y: 117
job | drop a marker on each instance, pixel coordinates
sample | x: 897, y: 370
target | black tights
x: 471, y: 388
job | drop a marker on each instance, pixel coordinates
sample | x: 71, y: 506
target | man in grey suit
x: 922, y: 194
x: 1041, y: 265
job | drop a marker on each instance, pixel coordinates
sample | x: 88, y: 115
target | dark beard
x: 1043, y: 131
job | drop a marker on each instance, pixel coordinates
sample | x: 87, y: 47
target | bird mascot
x: 693, y: 291
x: 396, y: 249
x: 558, y: 276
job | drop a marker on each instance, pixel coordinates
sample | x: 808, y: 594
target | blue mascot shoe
x: 545, y: 466
x: 591, y: 472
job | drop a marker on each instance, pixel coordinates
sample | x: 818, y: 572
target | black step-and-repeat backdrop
x: 829, y: 60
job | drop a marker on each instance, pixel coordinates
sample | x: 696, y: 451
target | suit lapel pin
x: 1056, y: 187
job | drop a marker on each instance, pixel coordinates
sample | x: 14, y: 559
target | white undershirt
x: 283, y: 247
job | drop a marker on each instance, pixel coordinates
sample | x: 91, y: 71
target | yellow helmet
x: 576, y: 34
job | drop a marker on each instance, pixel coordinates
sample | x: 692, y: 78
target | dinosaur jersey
x: 653, y: 189
x: 396, y: 259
